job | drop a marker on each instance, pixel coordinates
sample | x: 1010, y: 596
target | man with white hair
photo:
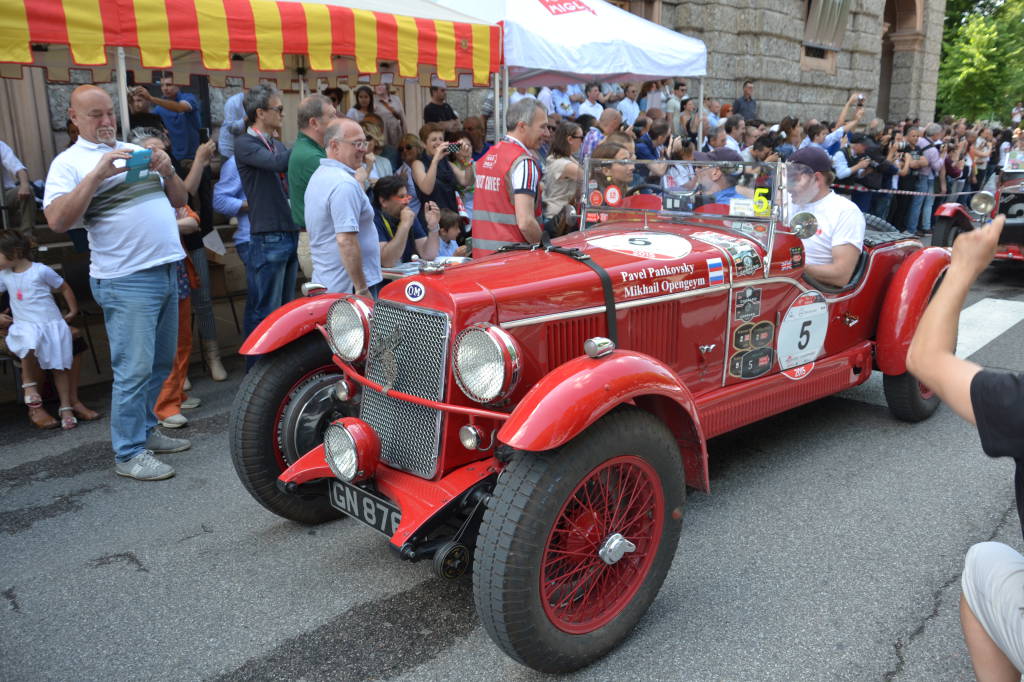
x: 919, y: 216
x: 507, y: 204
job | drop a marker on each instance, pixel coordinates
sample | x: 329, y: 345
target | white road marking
x: 980, y: 324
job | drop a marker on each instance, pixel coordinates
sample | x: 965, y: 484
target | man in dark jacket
x: 262, y: 163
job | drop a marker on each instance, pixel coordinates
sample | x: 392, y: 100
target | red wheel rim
x: 926, y: 393
x: 579, y: 590
x: 276, y: 439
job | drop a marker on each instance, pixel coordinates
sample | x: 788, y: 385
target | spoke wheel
x: 576, y: 542
x: 620, y: 500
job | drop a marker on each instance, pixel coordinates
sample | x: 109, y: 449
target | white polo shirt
x: 131, y: 226
x: 9, y: 166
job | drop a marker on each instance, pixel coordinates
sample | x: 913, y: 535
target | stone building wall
x: 762, y: 40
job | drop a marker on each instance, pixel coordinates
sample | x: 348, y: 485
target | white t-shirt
x: 839, y: 222
x: 9, y: 166
x: 131, y: 226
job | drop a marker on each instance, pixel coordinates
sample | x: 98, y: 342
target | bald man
x: 609, y: 122
x: 134, y: 250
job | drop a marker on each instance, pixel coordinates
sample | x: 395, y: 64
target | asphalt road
x: 830, y: 548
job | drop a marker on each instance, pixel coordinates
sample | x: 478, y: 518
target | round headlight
x: 340, y: 449
x: 983, y: 202
x: 486, y: 362
x: 348, y: 325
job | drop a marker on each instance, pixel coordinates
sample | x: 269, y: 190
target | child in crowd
x: 451, y: 229
x: 39, y: 335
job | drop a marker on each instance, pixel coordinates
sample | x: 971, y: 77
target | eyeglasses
x: 361, y: 145
x: 410, y: 147
x: 575, y: 137
x: 278, y: 109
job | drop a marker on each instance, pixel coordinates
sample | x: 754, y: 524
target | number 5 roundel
x: 802, y: 331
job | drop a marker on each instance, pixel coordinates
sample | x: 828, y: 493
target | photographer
x: 891, y: 143
x: 862, y: 164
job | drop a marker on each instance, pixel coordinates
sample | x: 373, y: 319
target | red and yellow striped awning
x: 218, y: 29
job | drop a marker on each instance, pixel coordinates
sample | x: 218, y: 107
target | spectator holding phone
x: 436, y: 178
x: 132, y: 270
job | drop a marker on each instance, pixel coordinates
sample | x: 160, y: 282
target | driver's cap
x: 815, y: 158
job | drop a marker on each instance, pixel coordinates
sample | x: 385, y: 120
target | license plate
x: 375, y: 512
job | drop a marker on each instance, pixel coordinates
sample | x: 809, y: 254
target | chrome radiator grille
x: 408, y: 353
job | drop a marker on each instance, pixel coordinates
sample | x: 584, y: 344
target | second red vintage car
x: 1003, y: 193
x: 538, y: 414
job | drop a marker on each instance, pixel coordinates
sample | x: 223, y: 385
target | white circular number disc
x: 654, y: 245
x: 802, y: 332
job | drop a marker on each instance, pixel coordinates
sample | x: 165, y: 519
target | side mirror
x: 803, y: 225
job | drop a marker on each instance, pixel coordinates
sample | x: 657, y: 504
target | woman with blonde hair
x: 378, y: 164
x: 410, y: 148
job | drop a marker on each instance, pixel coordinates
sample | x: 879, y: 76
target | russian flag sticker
x: 716, y: 274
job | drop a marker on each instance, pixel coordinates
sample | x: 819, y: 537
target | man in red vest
x: 507, y: 202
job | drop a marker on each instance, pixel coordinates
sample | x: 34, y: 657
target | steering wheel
x: 634, y: 190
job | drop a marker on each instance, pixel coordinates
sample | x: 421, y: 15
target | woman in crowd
x: 363, y: 105
x: 437, y: 179
x: 689, y: 122
x: 410, y: 149
x: 562, y: 174
x: 378, y: 164
x: 794, y: 136
x: 462, y: 138
x: 679, y: 176
x: 608, y: 174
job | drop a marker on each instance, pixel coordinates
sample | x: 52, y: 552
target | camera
x: 454, y: 147
x: 860, y: 100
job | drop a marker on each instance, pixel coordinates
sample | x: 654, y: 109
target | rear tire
x: 909, y: 400
x: 258, y: 417
x: 542, y: 591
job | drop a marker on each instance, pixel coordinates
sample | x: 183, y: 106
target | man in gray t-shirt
x: 339, y: 218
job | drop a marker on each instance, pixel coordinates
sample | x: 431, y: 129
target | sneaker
x: 187, y: 386
x: 175, y: 421
x: 144, y: 467
x: 162, y: 444
x: 191, y: 403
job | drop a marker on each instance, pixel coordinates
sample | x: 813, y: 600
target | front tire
x: 280, y: 411
x: 909, y: 400
x: 555, y: 582
x: 945, y: 231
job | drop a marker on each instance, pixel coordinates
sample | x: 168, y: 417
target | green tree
x: 983, y: 50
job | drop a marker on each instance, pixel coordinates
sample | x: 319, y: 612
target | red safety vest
x: 494, y: 211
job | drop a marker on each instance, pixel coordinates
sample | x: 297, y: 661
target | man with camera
x: 928, y: 164
x: 862, y: 164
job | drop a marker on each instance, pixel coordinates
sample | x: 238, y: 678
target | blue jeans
x: 248, y: 318
x: 274, y: 265
x: 882, y: 205
x: 913, y: 219
x: 928, y: 206
x: 140, y: 311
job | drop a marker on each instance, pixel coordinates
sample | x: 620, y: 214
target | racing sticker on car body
x: 743, y: 252
x: 802, y: 331
x: 748, y: 304
x: 653, y: 245
x: 798, y: 373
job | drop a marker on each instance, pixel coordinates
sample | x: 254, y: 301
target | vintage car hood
x: 642, y: 263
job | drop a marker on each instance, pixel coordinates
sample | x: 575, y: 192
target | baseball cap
x: 723, y: 154
x: 857, y: 138
x: 813, y: 157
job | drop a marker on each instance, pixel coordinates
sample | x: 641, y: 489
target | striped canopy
x: 319, y: 30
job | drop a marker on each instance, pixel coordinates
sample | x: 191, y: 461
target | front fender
x: 291, y: 321
x: 905, y: 301
x: 575, y: 395
x: 954, y: 210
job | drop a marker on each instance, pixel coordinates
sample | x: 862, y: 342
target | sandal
x: 83, y: 413
x: 41, y: 419
x: 68, y: 421
x: 32, y: 400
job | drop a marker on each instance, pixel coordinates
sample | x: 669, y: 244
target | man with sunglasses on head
x: 262, y: 164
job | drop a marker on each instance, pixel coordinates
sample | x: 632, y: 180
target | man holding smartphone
x: 134, y: 245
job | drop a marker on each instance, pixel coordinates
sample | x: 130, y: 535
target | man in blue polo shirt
x: 718, y: 183
x: 180, y: 114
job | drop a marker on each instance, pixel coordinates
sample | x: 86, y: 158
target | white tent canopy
x: 553, y: 42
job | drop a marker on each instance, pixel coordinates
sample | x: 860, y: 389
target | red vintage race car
x: 538, y: 414
x: 1003, y: 193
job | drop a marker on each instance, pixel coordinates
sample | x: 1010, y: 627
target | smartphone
x: 454, y: 147
x: 204, y: 135
x: 138, y: 165
x: 860, y: 100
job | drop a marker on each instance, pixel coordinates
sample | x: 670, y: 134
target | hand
x: 24, y: 191
x: 187, y: 226
x: 974, y: 250
x: 161, y: 163
x: 244, y: 207
x: 204, y: 152
x: 432, y: 213
x: 362, y: 175
x: 772, y: 158
x: 858, y: 114
x: 362, y: 292
x: 70, y: 314
x: 142, y: 92
x: 406, y: 218
x: 106, y: 168
x: 369, y: 159
x: 440, y: 152
x: 465, y: 152
x: 5, y: 320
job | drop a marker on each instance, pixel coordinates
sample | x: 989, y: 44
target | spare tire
x: 876, y: 224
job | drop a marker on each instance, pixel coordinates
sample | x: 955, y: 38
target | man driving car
x: 832, y: 253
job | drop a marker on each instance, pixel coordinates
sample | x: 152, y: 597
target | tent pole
x: 504, y: 102
x: 122, y: 89
x: 700, y: 113
x: 498, y: 109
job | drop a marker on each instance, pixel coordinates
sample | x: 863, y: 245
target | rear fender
x: 905, y: 301
x: 291, y: 321
x: 575, y: 395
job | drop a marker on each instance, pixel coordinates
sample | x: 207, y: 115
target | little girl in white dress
x: 40, y: 335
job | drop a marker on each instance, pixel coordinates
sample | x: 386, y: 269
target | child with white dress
x: 39, y: 335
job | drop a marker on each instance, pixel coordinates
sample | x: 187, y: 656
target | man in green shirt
x: 315, y: 113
